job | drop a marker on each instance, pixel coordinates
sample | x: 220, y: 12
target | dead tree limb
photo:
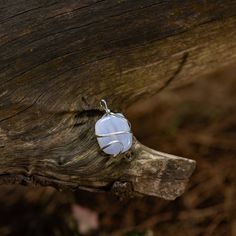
x: 59, y: 58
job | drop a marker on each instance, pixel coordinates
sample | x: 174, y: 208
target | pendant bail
x: 104, y: 106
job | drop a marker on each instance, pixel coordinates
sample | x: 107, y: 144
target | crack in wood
x: 176, y: 73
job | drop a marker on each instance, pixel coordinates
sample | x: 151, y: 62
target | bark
x: 58, y: 59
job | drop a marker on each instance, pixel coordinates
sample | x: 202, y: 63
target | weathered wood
x: 59, y: 58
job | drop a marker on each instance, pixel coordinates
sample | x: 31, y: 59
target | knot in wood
x: 122, y: 190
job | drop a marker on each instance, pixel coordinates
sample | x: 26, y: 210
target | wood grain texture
x: 58, y: 59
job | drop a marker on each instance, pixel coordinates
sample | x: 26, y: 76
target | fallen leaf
x: 87, y: 219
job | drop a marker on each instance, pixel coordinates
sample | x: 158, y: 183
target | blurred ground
x: 198, y: 122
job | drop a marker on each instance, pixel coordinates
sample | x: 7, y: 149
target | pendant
x: 113, y: 132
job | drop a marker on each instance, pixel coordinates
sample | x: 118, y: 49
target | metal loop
x: 104, y: 106
x: 113, y: 133
x: 114, y: 142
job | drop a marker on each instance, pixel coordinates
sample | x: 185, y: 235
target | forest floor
x: 198, y: 122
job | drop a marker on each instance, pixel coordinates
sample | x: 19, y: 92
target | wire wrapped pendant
x: 113, y: 132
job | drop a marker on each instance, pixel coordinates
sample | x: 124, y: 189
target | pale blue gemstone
x: 109, y: 124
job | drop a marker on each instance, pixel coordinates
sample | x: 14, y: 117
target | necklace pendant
x: 113, y: 132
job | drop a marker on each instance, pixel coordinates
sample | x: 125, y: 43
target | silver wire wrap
x: 103, y: 104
